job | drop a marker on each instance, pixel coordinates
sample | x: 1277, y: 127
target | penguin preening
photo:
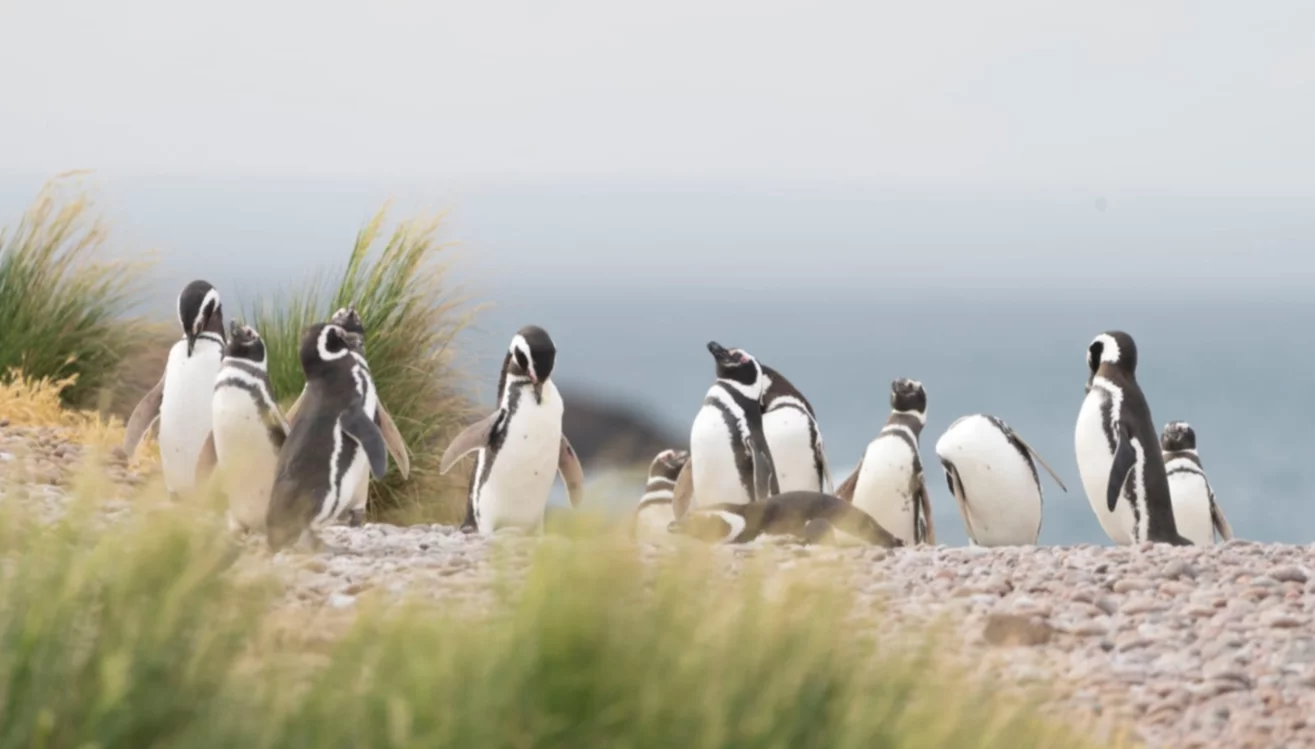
x: 730, y: 460
x: 332, y: 445
x: 349, y: 320
x: 520, y: 446
x: 1117, y: 448
x: 888, y: 482
x: 793, y: 436
x: 248, y: 430
x: 1197, y: 514
x: 181, y: 400
x: 801, y: 515
x: 992, y: 475
x: 655, y: 512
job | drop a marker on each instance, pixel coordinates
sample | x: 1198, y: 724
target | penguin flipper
x: 473, y: 437
x: 962, y: 502
x: 568, y: 464
x: 1125, y: 459
x: 1217, y: 517
x: 145, y: 414
x: 393, y: 438
x: 296, y: 406
x: 846, y: 490
x: 1040, y: 460
x: 207, y: 460
x: 926, y: 526
x: 683, y: 492
x: 362, y: 428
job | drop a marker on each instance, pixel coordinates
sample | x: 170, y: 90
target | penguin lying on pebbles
x: 1194, y: 507
x: 793, y: 436
x: 655, y: 511
x: 803, y: 515
x: 991, y: 474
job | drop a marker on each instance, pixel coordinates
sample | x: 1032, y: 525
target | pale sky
x: 1178, y: 95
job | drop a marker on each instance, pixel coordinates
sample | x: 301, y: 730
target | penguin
x: 331, y: 447
x: 655, y: 512
x: 181, y: 400
x: 730, y: 460
x: 1121, y: 467
x: 348, y: 319
x: 793, y: 436
x: 800, y: 515
x: 1195, y: 510
x: 992, y: 475
x: 888, y: 482
x: 520, y: 445
x: 248, y: 430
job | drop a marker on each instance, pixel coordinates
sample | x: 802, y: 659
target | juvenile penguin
x: 1194, y: 507
x: 802, y: 515
x: 331, y: 447
x: 730, y: 460
x: 348, y: 319
x: 181, y: 400
x: 520, y: 446
x: 793, y: 436
x: 655, y: 512
x: 1118, y: 456
x: 994, y: 480
x: 248, y: 430
x: 888, y: 482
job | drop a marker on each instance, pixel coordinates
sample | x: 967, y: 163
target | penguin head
x: 1177, y: 436
x: 532, y: 354
x: 716, y: 524
x: 244, y: 343
x: 325, y: 344
x: 349, y: 320
x: 200, y: 310
x: 668, y: 463
x: 1113, y: 348
x: 738, y: 366
x: 908, y: 396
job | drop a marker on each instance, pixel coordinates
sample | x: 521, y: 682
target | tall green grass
x: 412, y: 314
x: 62, y: 301
x: 159, y: 634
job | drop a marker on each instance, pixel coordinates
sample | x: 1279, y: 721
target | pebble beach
x: 1176, y: 646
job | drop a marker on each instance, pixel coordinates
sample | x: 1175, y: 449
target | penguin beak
x: 720, y: 353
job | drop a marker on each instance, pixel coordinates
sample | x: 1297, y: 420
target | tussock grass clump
x: 27, y: 401
x: 411, y: 315
x: 62, y: 302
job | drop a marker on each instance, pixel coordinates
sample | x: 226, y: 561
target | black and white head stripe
x: 532, y: 353
x: 1178, y: 436
x: 738, y: 370
x: 196, y: 305
x: 662, y: 474
x: 331, y: 344
x: 1115, y: 348
x: 909, y: 397
x: 778, y: 392
x: 245, y: 345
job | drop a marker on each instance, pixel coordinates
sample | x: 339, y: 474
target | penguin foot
x: 356, y: 518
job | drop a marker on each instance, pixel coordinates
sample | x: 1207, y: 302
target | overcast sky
x: 1180, y: 95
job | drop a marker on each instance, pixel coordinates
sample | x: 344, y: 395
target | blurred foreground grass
x: 159, y: 632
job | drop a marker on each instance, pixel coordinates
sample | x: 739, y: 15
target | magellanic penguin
x: 730, y: 460
x: 654, y: 512
x: 332, y: 445
x: 1194, y: 507
x: 348, y: 319
x: 888, y: 482
x: 520, y: 446
x: 799, y: 515
x: 992, y: 475
x: 181, y: 400
x: 793, y: 436
x: 1117, y: 448
x: 248, y: 431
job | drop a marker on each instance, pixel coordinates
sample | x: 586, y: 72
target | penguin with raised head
x: 888, y: 482
x: 798, y: 515
x: 248, y: 430
x: 332, y: 446
x: 181, y: 400
x: 520, y: 446
x: 654, y: 512
x: 1117, y: 448
x: 992, y: 475
x: 793, y: 436
x: 349, y: 320
x: 730, y: 460
x: 1195, y: 510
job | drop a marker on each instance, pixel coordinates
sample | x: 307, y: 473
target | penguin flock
x: 756, y: 465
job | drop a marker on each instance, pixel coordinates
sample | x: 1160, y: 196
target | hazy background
x: 959, y: 192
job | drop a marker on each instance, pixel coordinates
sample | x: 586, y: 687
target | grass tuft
x: 411, y: 315
x: 62, y: 302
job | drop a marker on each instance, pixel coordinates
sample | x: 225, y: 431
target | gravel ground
x: 1189, y: 646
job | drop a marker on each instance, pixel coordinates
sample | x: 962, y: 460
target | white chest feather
x: 1000, y: 493
x: 884, y: 488
x: 185, y: 409
x: 713, y: 447
x: 246, y: 456
x: 1190, y: 494
x: 789, y: 437
x: 1095, y: 458
x: 522, y: 473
